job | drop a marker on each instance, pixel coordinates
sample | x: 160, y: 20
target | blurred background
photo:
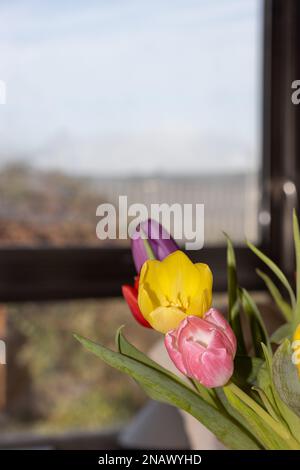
x: 157, y: 101
x: 162, y: 101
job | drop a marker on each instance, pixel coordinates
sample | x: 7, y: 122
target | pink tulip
x: 216, y: 318
x: 203, y: 348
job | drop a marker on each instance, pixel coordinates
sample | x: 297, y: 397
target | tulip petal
x: 216, y: 318
x: 164, y: 319
x: 160, y: 240
x: 184, y: 280
x: 196, y: 331
x: 130, y: 295
x: 199, y: 304
x: 175, y: 355
x: 206, y: 279
x: 212, y: 367
x: 151, y: 291
x: 216, y: 368
x: 138, y: 252
x: 162, y: 244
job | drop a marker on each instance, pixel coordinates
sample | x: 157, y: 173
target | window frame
x: 37, y: 274
x: 281, y: 119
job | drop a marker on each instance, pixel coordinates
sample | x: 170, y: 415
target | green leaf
x: 266, y: 382
x: 164, y: 388
x: 275, y: 270
x: 283, y: 306
x: 258, y: 329
x: 286, y: 378
x: 268, y: 431
x: 127, y: 349
x: 267, y: 403
x: 297, y: 252
x: 231, y: 274
x: 283, y: 332
x: 231, y: 410
x: 233, y: 298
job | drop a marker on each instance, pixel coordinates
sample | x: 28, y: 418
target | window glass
x: 155, y: 100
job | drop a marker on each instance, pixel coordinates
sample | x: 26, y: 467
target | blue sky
x: 116, y: 86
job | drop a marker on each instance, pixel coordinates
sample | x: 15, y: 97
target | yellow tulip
x: 296, y: 347
x: 173, y: 288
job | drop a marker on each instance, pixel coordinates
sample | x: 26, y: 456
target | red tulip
x: 130, y: 294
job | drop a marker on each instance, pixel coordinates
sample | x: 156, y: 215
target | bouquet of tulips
x: 250, y: 399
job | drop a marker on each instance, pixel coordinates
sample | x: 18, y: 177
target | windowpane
x: 155, y: 100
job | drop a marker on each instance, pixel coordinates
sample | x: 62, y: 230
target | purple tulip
x: 161, y: 243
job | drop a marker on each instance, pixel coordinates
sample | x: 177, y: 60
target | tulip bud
x: 161, y: 243
x: 203, y: 348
